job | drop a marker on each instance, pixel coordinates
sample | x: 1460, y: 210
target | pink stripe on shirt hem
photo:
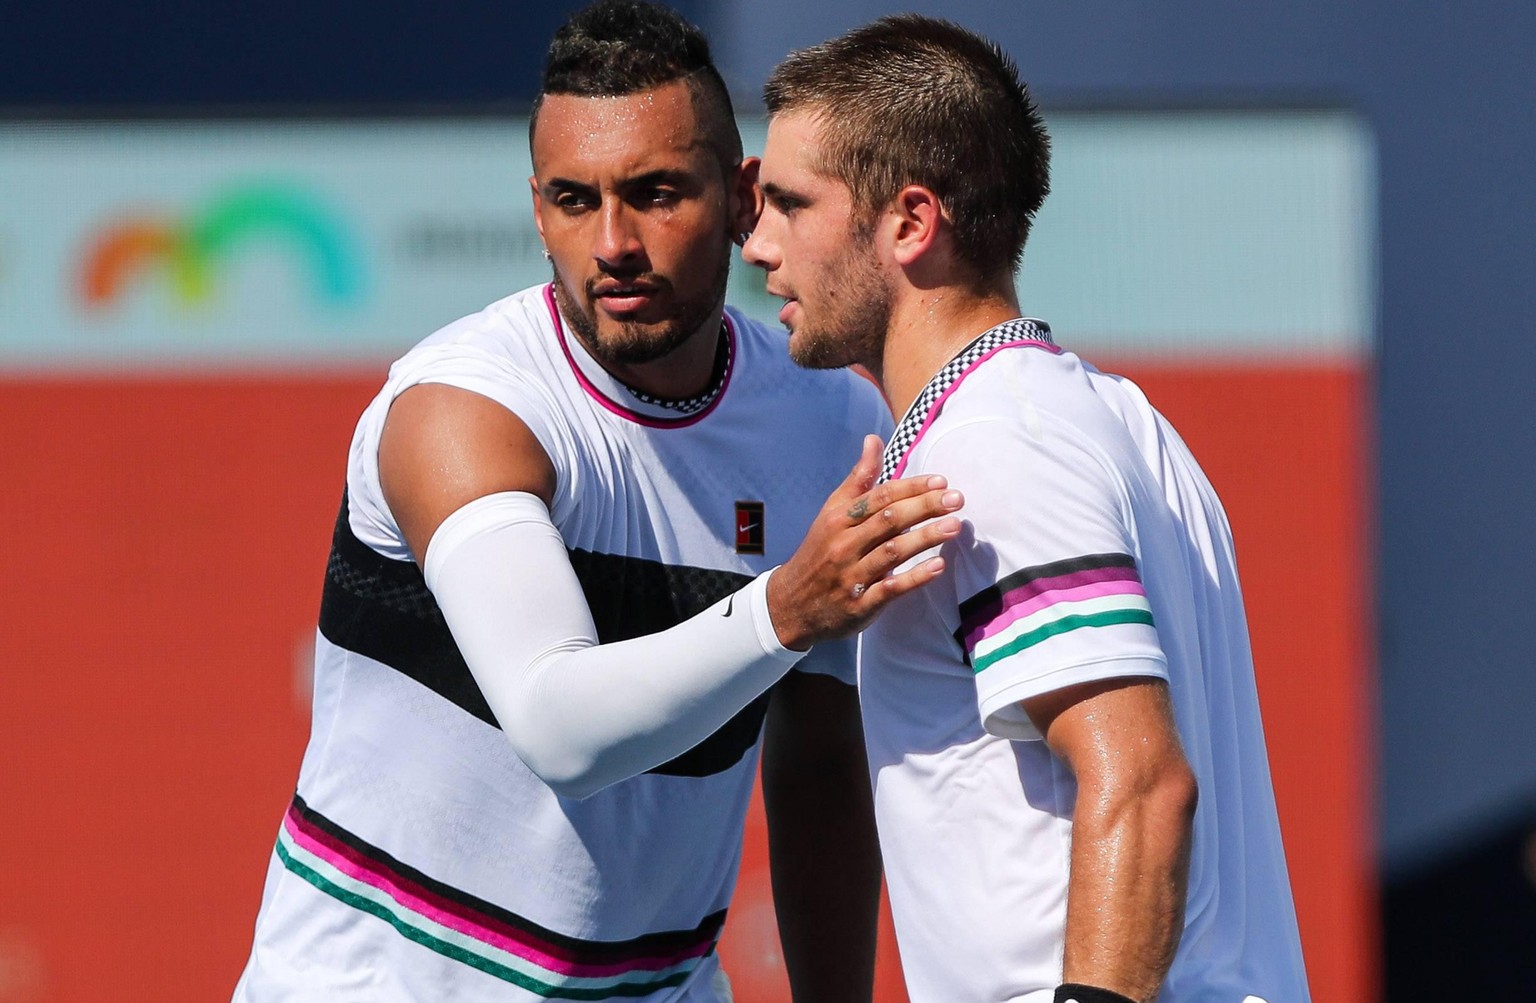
x: 355, y: 866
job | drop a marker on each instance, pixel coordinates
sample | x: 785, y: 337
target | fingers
x: 862, y: 477
x: 842, y: 572
x: 915, y: 501
x: 916, y: 516
x: 889, y: 554
x: 893, y: 586
x: 896, y: 534
x: 882, y: 497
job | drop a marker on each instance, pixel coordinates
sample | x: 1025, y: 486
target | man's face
x: 818, y: 256
x: 636, y: 211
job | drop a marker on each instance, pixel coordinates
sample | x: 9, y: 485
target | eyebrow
x: 551, y: 188
x: 779, y: 193
x: 663, y: 175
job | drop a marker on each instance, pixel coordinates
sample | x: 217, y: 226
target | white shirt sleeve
x: 583, y: 715
x: 1050, y: 594
x: 466, y: 368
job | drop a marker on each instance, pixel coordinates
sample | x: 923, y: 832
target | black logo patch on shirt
x: 749, y: 527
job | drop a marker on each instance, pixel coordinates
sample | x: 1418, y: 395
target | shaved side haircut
x: 619, y: 47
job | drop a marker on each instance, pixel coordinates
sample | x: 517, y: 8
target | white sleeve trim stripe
x: 1060, y: 618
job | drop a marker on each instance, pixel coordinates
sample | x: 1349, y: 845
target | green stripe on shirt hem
x: 457, y: 953
x: 1067, y: 623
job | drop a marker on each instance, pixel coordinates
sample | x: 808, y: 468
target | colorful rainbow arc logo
x: 193, y: 251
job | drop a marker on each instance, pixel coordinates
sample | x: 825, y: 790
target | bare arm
x: 444, y: 447
x: 1130, y: 833
x: 821, y: 839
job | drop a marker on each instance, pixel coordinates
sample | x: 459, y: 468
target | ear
x: 918, y: 217
x: 538, y: 213
x: 746, y: 196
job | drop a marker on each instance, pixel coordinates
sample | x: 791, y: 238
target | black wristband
x: 1075, y: 992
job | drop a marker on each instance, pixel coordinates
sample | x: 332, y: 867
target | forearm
x: 583, y: 715
x: 1125, y: 899
x: 824, y: 855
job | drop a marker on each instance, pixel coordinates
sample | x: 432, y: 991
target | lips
x: 624, y: 297
x: 791, y: 304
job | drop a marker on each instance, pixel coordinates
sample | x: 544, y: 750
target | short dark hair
x: 618, y: 47
x: 917, y: 100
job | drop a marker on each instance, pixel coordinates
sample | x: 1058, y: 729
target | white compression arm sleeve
x: 580, y: 714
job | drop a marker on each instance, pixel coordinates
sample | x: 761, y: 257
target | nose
x: 617, y: 241
x: 759, y: 249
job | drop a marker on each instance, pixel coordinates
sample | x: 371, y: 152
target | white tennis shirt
x: 420, y: 858
x: 1095, y: 548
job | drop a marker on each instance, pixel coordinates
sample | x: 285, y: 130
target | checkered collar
x: 920, y: 415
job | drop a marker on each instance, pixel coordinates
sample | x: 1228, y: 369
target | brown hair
x: 916, y: 100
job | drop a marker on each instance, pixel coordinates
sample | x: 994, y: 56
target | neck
x: 928, y: 328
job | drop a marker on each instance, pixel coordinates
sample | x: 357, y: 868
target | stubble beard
x: 630, y: 343
x: 858, y: 314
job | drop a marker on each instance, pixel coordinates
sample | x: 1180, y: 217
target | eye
x: 785, y: 205
x: 658, y: 196
x: 573, y: 201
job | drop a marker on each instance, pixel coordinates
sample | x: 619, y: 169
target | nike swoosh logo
x: 730, y: 605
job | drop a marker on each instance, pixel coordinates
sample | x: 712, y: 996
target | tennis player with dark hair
x: 1070, y: 777
x: 552, y: 627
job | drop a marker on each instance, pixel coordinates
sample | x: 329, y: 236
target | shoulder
x: 499, y: 353
x: 507, y: 347
x: 507, y: 327
x: 1053, y: 396
x: 1025, y: 373
x: 1022, y: 407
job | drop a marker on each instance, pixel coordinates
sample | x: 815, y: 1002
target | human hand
x: 840, y: 577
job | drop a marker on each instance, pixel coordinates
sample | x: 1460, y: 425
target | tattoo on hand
x: 859, y: 511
